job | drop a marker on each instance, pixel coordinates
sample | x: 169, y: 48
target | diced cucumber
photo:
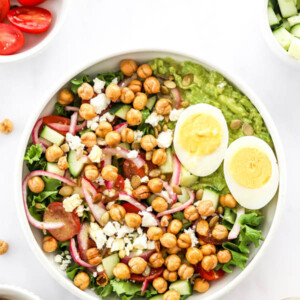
x: 53, y: 168
x: 283, y: 37
x: 286, y: 24
x: 75, y: 166
x: 184, y: 195
x: 109, y: 263
x: 294, y: 50
x: 186, y: 178
x: 182, y: 287
x: 150, y: 102
x: 120, y: 110
x: 279, y: 17
x: 298, y: 4
x: 157, y: 297
x: 295, y: 31
x: 211, y: 194
x: 82, y: 132
x: 150, y: 199
x: 52, y: 136
x: 294, y: 20
x: 167, y: 167
x: 273, y: 20
x: 287, y: 8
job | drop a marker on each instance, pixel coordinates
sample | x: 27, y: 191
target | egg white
x: 252, y: 198
x: 206, y: 164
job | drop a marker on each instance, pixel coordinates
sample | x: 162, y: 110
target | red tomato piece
x: 31, y: 2
x: 131, y: 208
x: 57, y: 119
x: 30, y: 19
x: 11, y: 39
x: 119, y: 183
x: 4, y: 8
x: 211, y: 275
x: 56, y: 213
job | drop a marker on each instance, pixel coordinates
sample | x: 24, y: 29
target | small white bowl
x: 10, y: 292
x: 271, y: 40
x: 35, y: 43
x: 271, y: 212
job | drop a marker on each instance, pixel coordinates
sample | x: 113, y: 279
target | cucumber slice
x: 294, y: 50
x: 182, y: 287
x: 53, y: 168
x: 150, y: 102
x: 157, y: 297
x: 211, y: 194
x: 120, y: 110
x: 298, y: 4
x: 287, y: 8
x: 279, y: 17
x: 52, y: 136
x: 167, y: 167
x: 283, y: 37
x: 186, y: 178
x: 294, y: 20
x: 295, y: 31
x: 184, y: 196
x: 286, y: 25
x: 109, y: 263
x: 273, y: 20
x: 75, y: 166
x: 82, y: 132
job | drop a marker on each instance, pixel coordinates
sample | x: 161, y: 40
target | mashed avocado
x: 212, y: 88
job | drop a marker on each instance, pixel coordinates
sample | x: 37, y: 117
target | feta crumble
x: 109, y: 229
x: 72, y: 202
x: 93, y: 124
x: 132, y: 154
x: 127, y: 187
x: 98, y: 85
x: 107, y: 117
x: 97, y: 234
x: 175, y: 114
x: 115, y: 80
x: 165, y: 139
x: 118, y: 244
x: 95, y: 154
x: 154, y: 118
x: 74, y: 142
x: 80, y: 209
x: 100, y: 103
x: 148, y: 219
x: 140, y: 242
x: 192, y: 234
x: 138, y: 135
x: 144, y: 179
x: 99, y: 180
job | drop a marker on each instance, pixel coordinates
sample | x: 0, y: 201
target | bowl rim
x: 44, y: 43
x: 49, y: 266
x: 18, y: 290
x: 271, y: 40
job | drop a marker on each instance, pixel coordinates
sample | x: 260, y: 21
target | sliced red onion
x: 35, y: 134
x: 96, y: 209
x: 145, y: 255
x: 120, y: 127
x: 179, y: 208
x: 125, y: 197
x: 73, y: 123
x: 170, y: 192
x: 176, y: 97
x: 138, y: 161
x: 66, y: 128
x: 31, y: 219
x: 127, y: 80
x: 75, y: 255
x: 71, y: 108
x: 235, y: 231
x: 82, y: 239
x: 176, y: 176
x: 144, y: 286
x: 44, y: 142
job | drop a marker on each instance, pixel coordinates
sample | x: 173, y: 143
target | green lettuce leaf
x: 33, y: 154
x: 73, y: 270
x: 238, y: 259
x: 110, y: 76
x: 60, y: 111
x: 77, y: 82
x: 125, y: 287
x: 247, y: 236
x: 104, y: 291
x: 252, y: 219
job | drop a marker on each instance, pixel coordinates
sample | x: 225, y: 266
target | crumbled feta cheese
x: 124, y: 230
x: 192, y: 234
x: 107, y: 117
x: 110, y: 242
x: 58, y: 258
x: 109, y: 204
x: 110, y: 193
x: 140, y: 242
x: 74, y: 141
x: 72, y: 202
x: 165, y: 139
x: 138, y: 135
x: 164, y: 194
x: 154, y: 118
x: 140, y: 231
x: 100, y: 103
x: 117, y: 225
x: 139, y: 252
x: 151, y: 245
x: 99, y: 180
x: 127, y: 187
x: 109, y: 229
x: 175, y: 114
x: 118, y: 244
x: 144, y: 179
x: 95, y: 154
x: 100, y: 268
x: 95, y: 274
x: 149, y: 208
x: 101, y: 141
x: 96, y: 233
x: 148, y: 219
x: 80, y: 209
x: 98, y: 85
x: 93, y: 124
x: 115, y: 80
x: 132, y: 154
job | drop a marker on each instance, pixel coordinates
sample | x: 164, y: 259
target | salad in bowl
x: 150, y: 181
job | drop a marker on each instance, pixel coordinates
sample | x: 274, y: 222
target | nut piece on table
x: 6, y: 126
x: 3, y: 247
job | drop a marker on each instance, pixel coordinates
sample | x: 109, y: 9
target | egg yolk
x: 250, y: 168
x: 200, y: 134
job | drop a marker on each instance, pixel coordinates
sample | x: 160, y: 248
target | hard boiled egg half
x: 201, y: 139
x: 251, y: 172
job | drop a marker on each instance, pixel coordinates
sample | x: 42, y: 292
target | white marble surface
x: 227, y: 32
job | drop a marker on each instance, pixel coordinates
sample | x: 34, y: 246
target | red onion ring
x: 120, y: 127
x: 73, y: 123
x: 35, y: 134
x: 145, y: 255
x: 82, y: 239
x: 175, y: 176
x: 235, y: 231
x: 66, y: 128
x: 75, y: 255
x: 125, y: 197
x: 127, y: 80
x: 144, y: 286
x: 71, y: 108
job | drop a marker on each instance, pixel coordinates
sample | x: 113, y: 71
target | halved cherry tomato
x: 131, y: 208
x: 57, y: 119
x: 11, y: 39
x: 210, y: 240
x: 30, y: 19
x: 154, y: 273
x: 4, y: 8
x: 211, y: 275
x: 119, y: 183
x: 56, y: 213
x: 31, y: 2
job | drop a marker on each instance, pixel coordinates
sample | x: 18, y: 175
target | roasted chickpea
x: 36, y: 184
x: 53, y: 153
x: 170, y: 276
x: 62, y: 163
x: 159, y: 204
x: 201, y: 285
x: 66, y: 191
x: 154, y: 233
x: 171, y: 295
x: 144, y: 71
x: 160, y: 284
x: 168, y: 240
x: 109, y: 173
x: 191, y: 213
x: 103, y: 129
x: 127, y: 95
x: 156, y: 260
x: 209, y: 262
x: 82, y: 280
x: 89, y: 139
x: 185, y: 271
x: 127, y: 135
x: 3, y: 247
x: 174, y: 250
x: 219, y: 232
x: 148, y: 142
x: 121, y: 271
x: 113, y: 92
x: 193, y: 255
x: 94, y: 256
x: 91, y: 172
x: 117, y: 212
x: 134, y: 117
x: 155, y: 185
x: 137, y: 265
x: 159, y: 157
x: 228, y: 201
x: 141, y: 192
x: 175, y: 226
x: 151, y: 85
x: 87, y: 111
x: 172, y: 262
x: 208, y: 249
x: 135, y: 86
x: 133, y: 220
x: 202, y: 228
x: 165, y: 220
x: 65, y: 97
x: 85, y: 91
x: 128, y: 67
x: 49, y: 244
x: 113, y: 139
x: 163, y: 106
x: 184, y: 240
x: 224, y: 256
x: 206, y: 208
x: 140, y: 101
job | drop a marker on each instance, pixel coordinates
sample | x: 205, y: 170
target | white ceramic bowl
x: 10, y: 292
x: 271, y: 212
x: 35, y: 43
x: 271, y: 40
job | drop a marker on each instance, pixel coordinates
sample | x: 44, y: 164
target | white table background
x: 227, y: 32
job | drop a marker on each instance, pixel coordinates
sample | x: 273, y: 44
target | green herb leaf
x: 59, y: 110
x: 178, y: 215
x: 125, y: 287
x: 73, y: 270
x: 252, y: 219
x: 104, y: 291
x: 33, y: 153
x: 110, y: 76
x: 77, y: 82
x: 238, y: 259
x: 247, y: 236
